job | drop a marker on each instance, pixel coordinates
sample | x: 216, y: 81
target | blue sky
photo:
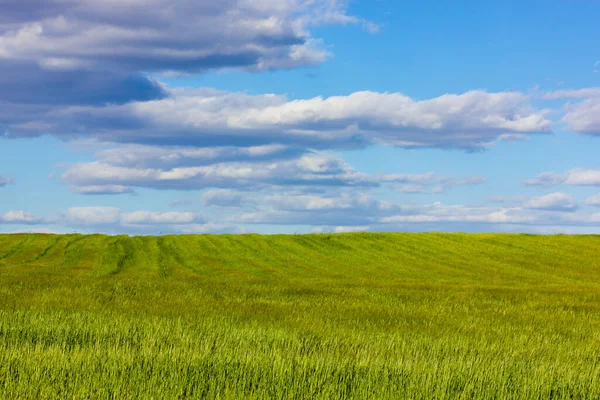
x: 289, y: 116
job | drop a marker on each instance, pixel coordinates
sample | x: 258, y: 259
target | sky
x: 299, y: 116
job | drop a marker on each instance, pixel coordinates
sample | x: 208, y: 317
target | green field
x: 419, y: 316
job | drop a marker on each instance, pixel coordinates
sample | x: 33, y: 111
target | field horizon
x: 354, y: 315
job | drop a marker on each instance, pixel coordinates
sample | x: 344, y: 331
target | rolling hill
x: 369, y: 315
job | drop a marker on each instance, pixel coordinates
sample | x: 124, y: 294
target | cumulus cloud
x: 574, y: 177
x: 333, y: 211
x: 310, y: 169
x: 553, y: 202
x: 340, y: 229
x: 584, y: 93
x: 229, y: 139
x: 58, y: 54
x: 333, y: 208
x: 91, y: 215
x: 5, y: 181
x: 582, y: 112
x: 584, y: 117
x: 145, y: 156
x: 102, y: 189
x: 429, y: 183
x: 207, y: 228
x: 113, y: 215
x: 330, y: 213
x: 114, y: 220
x: 208, y: 118
x: 147, y: 217
x: 441, y: 216
x: 593, y: 200
x: 165, y: 35
x: 22, y: 217
x: 268, y: 166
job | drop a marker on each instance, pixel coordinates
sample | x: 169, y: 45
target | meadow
x: 365, y: 316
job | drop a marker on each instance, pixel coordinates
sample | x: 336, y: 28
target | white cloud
x: 207, y: 228
x: 166, y: 35
x: 92, y: 215
x: 102, y: 189
x: 593, y: 200
x: 429, y: 183
x: 208, y: 118
x: 584, y: 117
x: 339, y: 229
x: 38, y: 230
x: 440, y: 216
x: 22, y: 217
x: 114, y: 216
x: 309, y: 169
x: 118, y: 172
x: 350, y: 229
x: 347, y: 211
x: 145, y: 156
x: 574, y: 177
x: 554, y: 201
x: 157, y: 218
x: 584, y: 93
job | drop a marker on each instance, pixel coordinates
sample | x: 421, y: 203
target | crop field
x: 365, y: 316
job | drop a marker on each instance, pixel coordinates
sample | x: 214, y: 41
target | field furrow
x: 355, y: 316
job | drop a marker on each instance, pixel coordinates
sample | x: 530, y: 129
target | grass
x: 300, y: 317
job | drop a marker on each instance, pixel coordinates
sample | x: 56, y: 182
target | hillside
x: 302, y: 316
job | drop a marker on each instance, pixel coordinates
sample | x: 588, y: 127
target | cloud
x: 209, y: 118
x: 22, y: 217
x: 207, y: 228
x: 429, y: 183
x: 331, y: 211
x: 90, y: 216
x: 38, y: 230
x: 224, y: 198
x: 58, y: 54
x: 166, y: 35
x: 574, y: 177
x: 339, y: 229
x: 507, y: 200
x: 584, y: 93
x: 333, y: 208
x: 5, y: 181
x: 593, y: 201
x: 553, y: 202
x: 442, y: 216
x: 157, y: 218
x: 144, y: 156
x: 584, y: 117
x: 118, y: 171
x: 102, y: 189
x: 315, y: 169
x: 29, y: 84
x: 352, y: 210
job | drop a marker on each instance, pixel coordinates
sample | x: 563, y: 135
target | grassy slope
x: 332, y: 316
